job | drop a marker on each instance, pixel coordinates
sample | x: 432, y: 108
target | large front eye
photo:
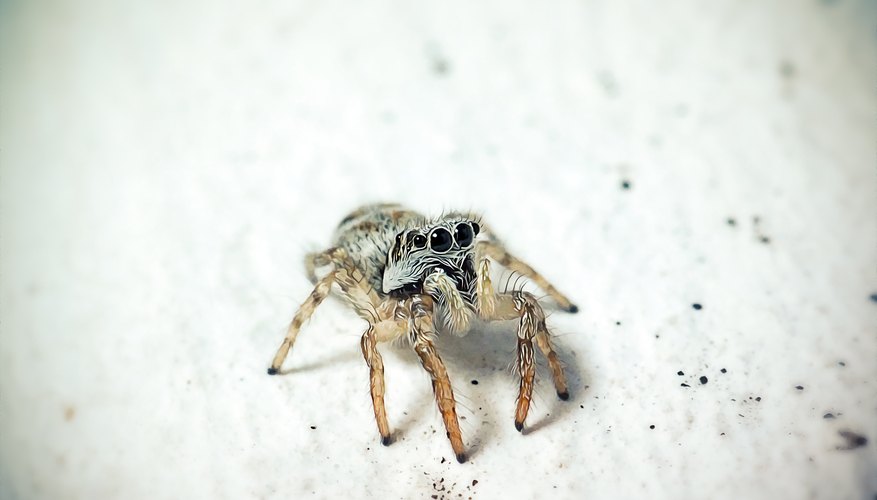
x: 463, y: 235
x: 440, y: 240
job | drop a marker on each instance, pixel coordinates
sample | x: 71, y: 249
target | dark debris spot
x: 873, y: 297
x: 841, y: 363
x: 651, y: 426
x: 684, y: 385
x: 703, y: 379
x: 853, y: 440
x: 625, y: 184
x: 440, y: 66
x: 680, y: 373
x: 799, y: 387
x: 724, y: 370
x: 696, y: 306
x: 758, y: 398
x: 313, y: 427
x: 474, y: 382
x: 787, y: 69
x: 828, y: 415
x: 765, y: 240
x: 618, y: 323
x: 731, y: 221
x: 474, y: 482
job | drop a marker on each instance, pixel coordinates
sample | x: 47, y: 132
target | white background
x: 165, y: 167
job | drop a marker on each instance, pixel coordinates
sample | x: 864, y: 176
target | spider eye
x: 476, y: 228
x: 419, y: 241
x: 440, y: 240
x: 463, y: 235
x: 411, y: 288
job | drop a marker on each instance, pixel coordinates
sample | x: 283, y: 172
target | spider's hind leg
x: 319, y: 293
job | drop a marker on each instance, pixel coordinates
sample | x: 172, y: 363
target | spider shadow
x: 335, y: 359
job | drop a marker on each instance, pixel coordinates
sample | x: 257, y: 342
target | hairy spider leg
x: 421, y: 334
x: 319, y: 293
x: 497, y: 252
x: 525, y: 307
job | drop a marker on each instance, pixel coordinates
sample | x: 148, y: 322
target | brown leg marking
x: 530, y: 314
x: 376, y: 382
x: 497, y: 252
x: 543, y: 340
x: 523, y: 305
x: 441, y: 385
x: 324, y: 286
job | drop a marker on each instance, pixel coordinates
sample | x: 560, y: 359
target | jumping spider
x: 411, y: 277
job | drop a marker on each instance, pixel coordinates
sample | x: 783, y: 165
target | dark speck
x: 625, y: 184
x: 618, y: 323
x: 731, y: 221
x: 758, y: 398
x: 680, y: 373
x: 841, y: 363
x: 697, y: 306
x: 724, y: 370
x: 651, y: 427
x: 874, y: 297
x: 684, y: 385
x: 799, y: 387
x: 853, y: 440
x: 828, y: 415
x: 474, y: 482
x: 765, y: 240
x: 703, y: 380
x: 440, y: 66
x: 787, y: 69
x: 313, y: 427
x: 474, y: 382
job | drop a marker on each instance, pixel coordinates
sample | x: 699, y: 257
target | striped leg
x: 496, y: 251
x: 523, y: 305
x: 376, y: 381
x: 422, y: 331
x: 486, y: 301
x: 320, y: 292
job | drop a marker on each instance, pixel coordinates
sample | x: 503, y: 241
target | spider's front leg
x: 523, y: 305
x: 421, y: 332
x: 492, y: 248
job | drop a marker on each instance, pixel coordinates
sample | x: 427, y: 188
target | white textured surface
x: 164, y: 168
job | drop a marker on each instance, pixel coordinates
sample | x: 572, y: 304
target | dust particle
x: 703, y: 380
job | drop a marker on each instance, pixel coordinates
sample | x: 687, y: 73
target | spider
x: 411, y: 278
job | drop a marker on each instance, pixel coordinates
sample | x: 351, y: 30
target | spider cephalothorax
x: 446, y: 247
x: 410, y: 278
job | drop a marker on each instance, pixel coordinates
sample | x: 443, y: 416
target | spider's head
x: 417, y: 252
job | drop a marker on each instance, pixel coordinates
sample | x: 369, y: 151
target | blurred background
x: 165, y: 166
